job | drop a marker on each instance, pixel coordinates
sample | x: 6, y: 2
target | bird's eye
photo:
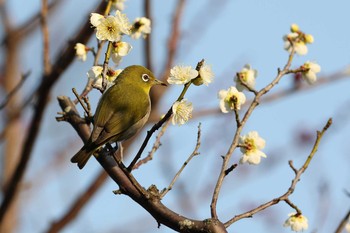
x: 145, y: 77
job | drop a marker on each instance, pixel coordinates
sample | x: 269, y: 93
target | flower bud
x: 294, y: 28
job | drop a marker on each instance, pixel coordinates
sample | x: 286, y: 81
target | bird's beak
x: 158, y: 82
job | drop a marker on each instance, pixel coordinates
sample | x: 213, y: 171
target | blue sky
x: 228, y: 34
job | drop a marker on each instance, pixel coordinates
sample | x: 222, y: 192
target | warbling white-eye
x: 121, y: 112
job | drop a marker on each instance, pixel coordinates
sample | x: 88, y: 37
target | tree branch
x: 294, y: 182
x: 240, y: 126
x: 149, y: 199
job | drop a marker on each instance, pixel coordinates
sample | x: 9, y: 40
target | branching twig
x: 87, y: 107
x: 296, y: 179
x: 194, y: 153
x: 241, y: 124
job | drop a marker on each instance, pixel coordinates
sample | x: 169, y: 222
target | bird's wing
x: 113, y: 124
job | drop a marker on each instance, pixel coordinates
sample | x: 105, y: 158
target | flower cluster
x: 251, y: 146
x: 181, y: 75
x: 297, y: 40
x: 297, y: 222
x: 185, y: 74
x: 111, y: 28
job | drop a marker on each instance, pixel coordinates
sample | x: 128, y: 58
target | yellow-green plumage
x: 121, y: 112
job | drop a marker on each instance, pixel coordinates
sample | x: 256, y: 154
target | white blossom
x: 95, y: 76
x: 310, y: 75
x: 296, y: 222
x: 206, y: 74
x: 231, y: 99
x: 248, y: 76
x: 120, y: 50
x: 182, y: 112
x: 110, y: 27
x: 251, y: 146
x: 141, y: 27
x: 182, y: 75
x: 81, y: 51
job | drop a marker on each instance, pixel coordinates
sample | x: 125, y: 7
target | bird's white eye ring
x: 145, y: 77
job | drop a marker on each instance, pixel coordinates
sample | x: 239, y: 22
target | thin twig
x: 14, y: 90
x: 291, y: 189
x: 105, y: 66
x: 86, y: 109
x: 230, y: 169
x: 155, y: 147
x: 194, y: 153
x: 291, y: 204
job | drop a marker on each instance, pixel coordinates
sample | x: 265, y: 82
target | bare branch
x: 241, y: 124
x: 291, y: 189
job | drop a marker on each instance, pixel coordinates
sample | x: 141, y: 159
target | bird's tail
x: 82, y: 156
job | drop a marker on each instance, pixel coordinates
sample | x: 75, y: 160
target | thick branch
x: 150, y: 200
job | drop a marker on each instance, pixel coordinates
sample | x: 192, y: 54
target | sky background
x: 228, y: 35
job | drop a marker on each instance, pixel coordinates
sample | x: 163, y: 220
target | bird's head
x: 139, y: 76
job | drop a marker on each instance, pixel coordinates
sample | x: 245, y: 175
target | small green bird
x: 121, y: 112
